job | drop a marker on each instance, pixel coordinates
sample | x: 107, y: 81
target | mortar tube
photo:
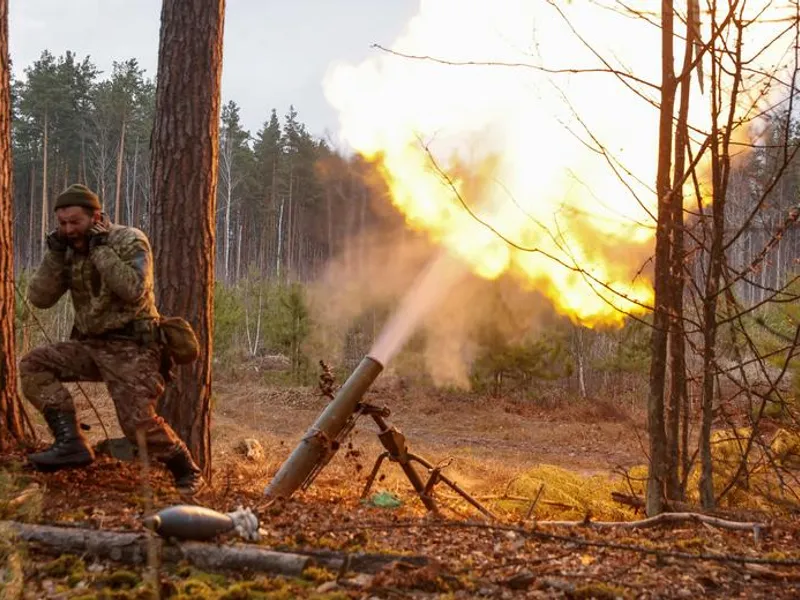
x: 314, y: 445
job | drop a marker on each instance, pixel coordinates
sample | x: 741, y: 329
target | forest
x: 559, y: 452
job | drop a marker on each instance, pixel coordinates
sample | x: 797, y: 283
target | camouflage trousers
x: 130, y: 370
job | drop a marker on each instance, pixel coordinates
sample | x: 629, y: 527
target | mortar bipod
x: 397, y: 451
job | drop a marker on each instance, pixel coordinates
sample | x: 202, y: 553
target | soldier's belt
x: 144, y: 331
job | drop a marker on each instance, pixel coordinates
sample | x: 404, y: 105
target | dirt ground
x: 588, y: 436
x: 485, y: 443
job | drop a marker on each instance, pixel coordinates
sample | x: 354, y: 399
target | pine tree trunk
x: 135, y: 220
x: 279, y: 254
x: 184, y: 160
x: 239, y: 251
x: 44, y: 186
x: 32, y: 219
x: 118, y: 184
x: 227, y: 240
x: 82, y: 174
x: 290, y: 227
x: 10, y: 408
x: 362, y: 218
x: 329, y: 206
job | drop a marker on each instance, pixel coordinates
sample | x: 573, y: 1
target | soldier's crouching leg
x: 135, y: 384
x: 41, y: 374
x: 164, y: 445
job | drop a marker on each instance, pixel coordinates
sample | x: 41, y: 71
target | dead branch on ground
x: 132, y: 548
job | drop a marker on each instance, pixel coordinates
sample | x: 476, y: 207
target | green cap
x: 78, y: 195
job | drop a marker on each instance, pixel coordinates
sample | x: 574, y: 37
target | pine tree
x: 184, y: 163
x: 10, y: 409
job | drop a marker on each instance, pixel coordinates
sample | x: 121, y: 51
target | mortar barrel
x: 314, y: 445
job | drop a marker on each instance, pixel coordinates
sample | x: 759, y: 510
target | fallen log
x: 131, y: 548
x: 361, y: 562
x: 676, y: 506
x: 659, y: 520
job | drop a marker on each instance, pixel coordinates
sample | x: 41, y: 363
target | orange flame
x: 546, y: 170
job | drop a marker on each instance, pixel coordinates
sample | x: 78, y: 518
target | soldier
x: 108, y: 270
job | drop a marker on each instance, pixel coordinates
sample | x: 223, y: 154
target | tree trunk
x: 132, y: 548
x: 720, y: 171
x: 227, y: 227
x: 134, y: 205
x: 82, y: 175
x: 10, y: 407
x: 184, y: 171
x: 329, y: 206
x: 655, y: 402
x: 239, y: 251
x: 279, y: 254
x: 678, y: 393
x: 118, y: 184
x: 32, y: 219
x: 290, y: 225
x: 44, y: 186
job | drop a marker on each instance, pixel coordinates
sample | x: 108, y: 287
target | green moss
x: 212, y: 579
x: 261, y: 589
x: 196, y: 589
x: 66, y: 565
x: 121, y: 579
x: 183, y: 571
x: 241, y: 592
x: 779, y: 555
x: 20, y: 500
x: 140, y: 594
x: 287, y: 593
x: 335, y: 595
x: 598, y: 591
x: 695, y: 543
x: 330, y: 543
x: 76, y: 577
x: 318, y: 575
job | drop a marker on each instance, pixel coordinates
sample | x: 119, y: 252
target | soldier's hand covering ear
x: 56, y: 241
x: 98, y: 235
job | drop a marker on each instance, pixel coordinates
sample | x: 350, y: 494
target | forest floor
x: 499, y: 450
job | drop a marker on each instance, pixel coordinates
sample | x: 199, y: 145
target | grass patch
x: 565, y: 495
x: 20, y: 499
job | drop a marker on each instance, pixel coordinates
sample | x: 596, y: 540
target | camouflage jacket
x: 110, y: 286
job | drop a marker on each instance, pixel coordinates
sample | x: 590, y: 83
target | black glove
x: 98, y: 235
x: 56, y: 242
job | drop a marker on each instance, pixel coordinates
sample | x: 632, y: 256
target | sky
x: 276, y: 52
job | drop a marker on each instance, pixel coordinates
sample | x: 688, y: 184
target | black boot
x: 69, y: 449
x: 188, y: 476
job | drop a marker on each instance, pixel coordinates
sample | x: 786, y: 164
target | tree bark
x: 134, y: 208
x: 677, y: 405
x: 227, y: 226
x: 32, y: 220
x: 44, y: 186
x: 131, y: 548
x: 184, y: 175
x: 118, y: 182
x: 657, y: 381
x: 10, y: 407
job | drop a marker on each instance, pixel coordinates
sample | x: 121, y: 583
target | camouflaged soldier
x: 108, y: 270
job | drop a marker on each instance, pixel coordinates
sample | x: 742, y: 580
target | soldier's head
x: 77, y: 209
